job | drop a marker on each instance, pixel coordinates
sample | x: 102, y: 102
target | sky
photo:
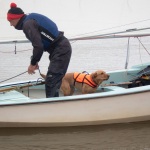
x: 80, y: 17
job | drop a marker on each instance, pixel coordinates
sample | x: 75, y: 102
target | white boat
x: 125, y: 97
x: 22, y: 103
x: 122, y: 98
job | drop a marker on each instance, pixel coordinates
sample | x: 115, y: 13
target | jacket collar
x: 19, y: 25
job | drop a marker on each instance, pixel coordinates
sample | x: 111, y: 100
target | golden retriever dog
x: 86, y: 83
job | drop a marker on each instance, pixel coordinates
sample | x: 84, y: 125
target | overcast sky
x: 76, y: 17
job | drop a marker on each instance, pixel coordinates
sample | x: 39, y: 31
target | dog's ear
x: 94, y: 74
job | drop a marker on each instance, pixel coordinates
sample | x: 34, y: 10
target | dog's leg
x: 66, y: 89
x: 72, y: 89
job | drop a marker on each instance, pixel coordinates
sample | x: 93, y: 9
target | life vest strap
x: 84, y: 78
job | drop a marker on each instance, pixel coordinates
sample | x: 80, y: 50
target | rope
x: 110, y: 28
x: 17, y: 51
x: 39, y: 71
x: 111, y: 35
x: 143, y: 46
x: 18, y: 75
x: 14, y: 76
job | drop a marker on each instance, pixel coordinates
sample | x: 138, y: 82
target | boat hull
x: 93, y: 111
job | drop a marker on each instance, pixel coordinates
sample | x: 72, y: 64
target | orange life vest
x: 84, y: 78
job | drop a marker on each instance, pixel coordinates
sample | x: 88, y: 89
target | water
x: 87, y: 56
x: 131, y: 136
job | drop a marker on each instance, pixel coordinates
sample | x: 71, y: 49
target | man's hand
x: 31, y: 68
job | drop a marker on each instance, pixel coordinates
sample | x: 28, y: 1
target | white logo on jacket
x: 46, y: 35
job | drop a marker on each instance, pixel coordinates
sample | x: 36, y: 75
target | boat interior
x: 119, y: 80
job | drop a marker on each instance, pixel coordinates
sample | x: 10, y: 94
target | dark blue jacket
x: 41, y: 31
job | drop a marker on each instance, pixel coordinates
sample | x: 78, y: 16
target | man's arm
x: 31, y: 31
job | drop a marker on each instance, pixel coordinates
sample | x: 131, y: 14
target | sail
x: 81, y: 17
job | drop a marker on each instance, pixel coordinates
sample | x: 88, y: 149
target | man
x: 44, y: 36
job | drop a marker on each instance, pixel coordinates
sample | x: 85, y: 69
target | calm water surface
x: 131, y: 136
x: 87, y: 56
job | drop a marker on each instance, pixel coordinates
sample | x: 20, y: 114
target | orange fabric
x: 84, y: 78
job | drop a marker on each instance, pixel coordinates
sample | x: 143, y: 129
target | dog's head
x: 99, y: 76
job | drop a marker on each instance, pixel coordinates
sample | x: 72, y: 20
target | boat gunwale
x: 82, y: 97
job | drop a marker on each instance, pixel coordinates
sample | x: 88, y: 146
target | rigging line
x: 129, y: 30
x: 127, y: 57
x: 17, y: 51
x: 24, y: 50
x: 6, y: 52
x: 72, y: 42
x: 113, y: 33
x: 140, y: 53
x: 143, y: 46
x: 111, y: 27
x: 13, y: 77
x: 39, y: 71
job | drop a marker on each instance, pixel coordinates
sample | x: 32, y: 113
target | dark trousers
x: 59, y: 61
